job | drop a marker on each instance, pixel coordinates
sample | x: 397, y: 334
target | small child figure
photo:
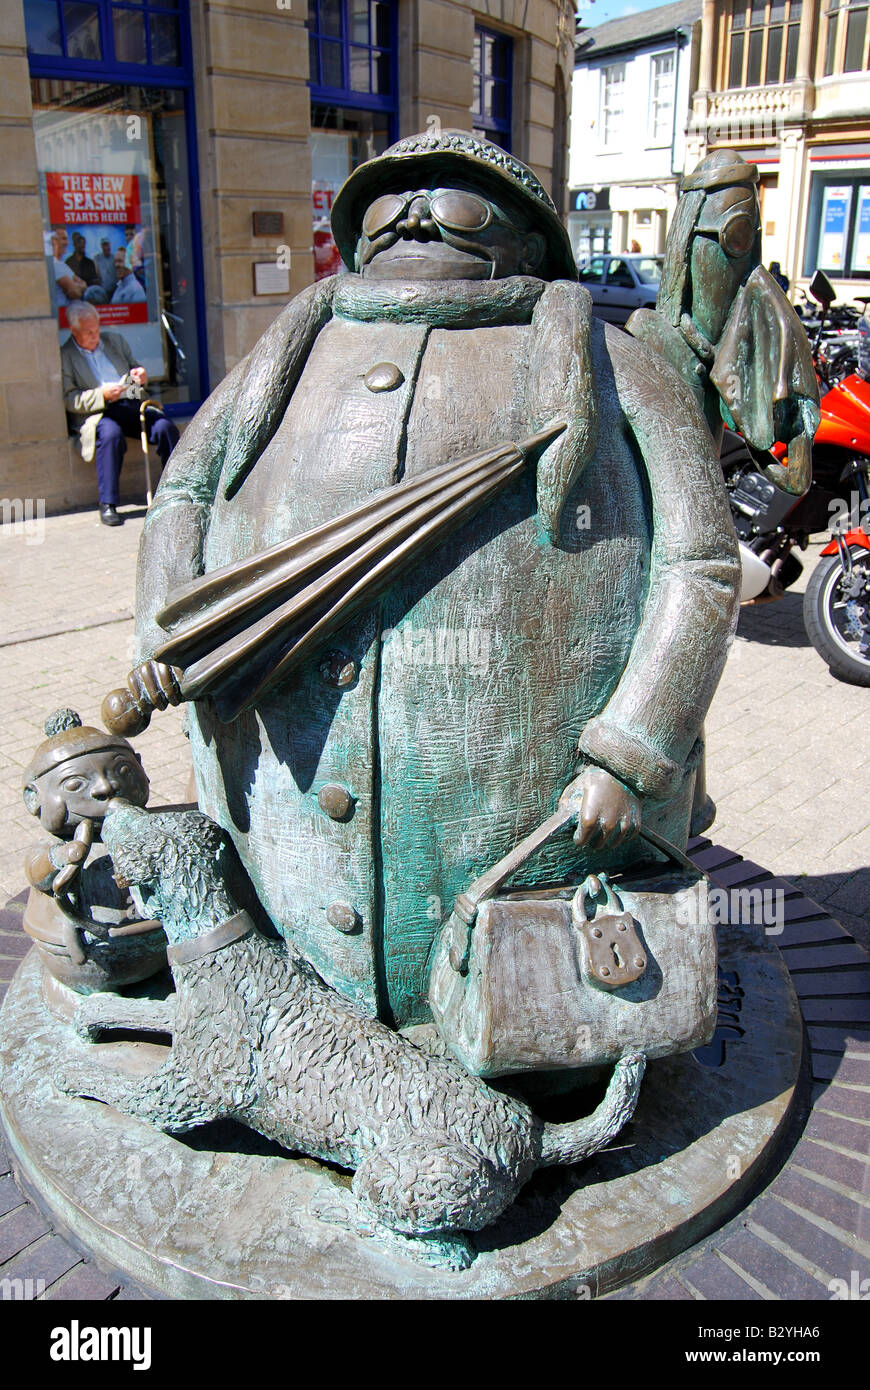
x: 71, y: 781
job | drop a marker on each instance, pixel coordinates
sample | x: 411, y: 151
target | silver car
x: 621, y: 284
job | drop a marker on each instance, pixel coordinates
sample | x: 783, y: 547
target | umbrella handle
x: 128, y: 710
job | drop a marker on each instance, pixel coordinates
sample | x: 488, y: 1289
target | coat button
x: 335, y: 800
x: 383, y: 376
x: 338, y: 669
x: 343, y: 917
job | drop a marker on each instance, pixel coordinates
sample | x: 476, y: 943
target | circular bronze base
x: 223, y: 1214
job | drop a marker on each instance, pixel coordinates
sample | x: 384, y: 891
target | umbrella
x: 238, y: 630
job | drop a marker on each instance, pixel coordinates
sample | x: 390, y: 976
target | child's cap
x: 67, y: 738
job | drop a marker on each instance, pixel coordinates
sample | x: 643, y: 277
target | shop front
x: 589, y: 221
x: 114, y: 133
x: 173, y: 165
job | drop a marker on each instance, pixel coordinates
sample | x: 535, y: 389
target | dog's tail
x: 572, y: 1142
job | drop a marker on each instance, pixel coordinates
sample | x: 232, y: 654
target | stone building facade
x: 787, y: 82
x: 201, y: 144
x: 632, y: 93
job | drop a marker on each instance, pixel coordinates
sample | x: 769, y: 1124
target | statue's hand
x: 71, y: 856
x: 608, y: 812
x: 159, y: 681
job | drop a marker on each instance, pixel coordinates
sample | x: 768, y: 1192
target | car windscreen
x: 649, y: 269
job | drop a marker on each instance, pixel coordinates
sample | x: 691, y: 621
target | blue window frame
x: 493, y: 71
x: 126, y: 34
x: 352, y: 53
x: 138, y: 46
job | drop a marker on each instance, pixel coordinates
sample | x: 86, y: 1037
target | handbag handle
x: 466, y: 904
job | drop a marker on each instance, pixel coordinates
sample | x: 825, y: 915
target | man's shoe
x: 109, y: 515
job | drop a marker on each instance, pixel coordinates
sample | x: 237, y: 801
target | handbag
x: 575, y: 975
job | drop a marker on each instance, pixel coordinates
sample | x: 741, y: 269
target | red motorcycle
x: 770, y: 523
x: 837, y: 600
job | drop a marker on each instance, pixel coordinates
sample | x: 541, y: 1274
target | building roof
x: 635, y: 30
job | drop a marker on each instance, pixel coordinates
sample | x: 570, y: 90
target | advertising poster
x: 99, y: 230
x: 835, y: 217
x: 861, y: 252
x: 330, y: 165
x: 327, y: 260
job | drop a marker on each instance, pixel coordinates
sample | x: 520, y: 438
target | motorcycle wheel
x: 837, y: 615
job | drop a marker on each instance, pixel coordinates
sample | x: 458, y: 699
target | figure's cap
x: 721, y: 169
x: 440, y: 155
x: 67, y: 738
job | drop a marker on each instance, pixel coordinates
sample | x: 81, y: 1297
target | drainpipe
x: 681, y: 36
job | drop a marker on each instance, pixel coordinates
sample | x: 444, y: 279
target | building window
x: 612, y: 103
x: 661, y: 98
x: 114, y: 127
x: 763, y: 42
x: 144, y: 33
x: 838, y: 226
x: 350, y: 48
x: 492, y: 66
x: 846, y: 36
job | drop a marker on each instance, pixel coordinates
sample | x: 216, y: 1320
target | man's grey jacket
x: 82, y: 393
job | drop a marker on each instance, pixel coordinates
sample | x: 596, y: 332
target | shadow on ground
x: 777, y: 624
x: 845, y: 896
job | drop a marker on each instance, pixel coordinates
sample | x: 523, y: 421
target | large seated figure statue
x: 364, y: 765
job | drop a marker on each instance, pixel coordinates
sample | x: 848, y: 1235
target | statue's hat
x: 69, y: 738
x: 721, y: 169
x: 442, y: 154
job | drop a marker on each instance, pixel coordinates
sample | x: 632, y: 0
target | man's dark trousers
x: 121, y: 418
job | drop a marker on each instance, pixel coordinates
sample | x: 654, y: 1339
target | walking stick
x: 143, y: 435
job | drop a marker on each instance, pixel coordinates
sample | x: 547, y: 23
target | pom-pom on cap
x: 59, y: 721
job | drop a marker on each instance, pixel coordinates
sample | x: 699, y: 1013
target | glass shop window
x: 838, y: 225
x: 340, y: 139
x: 492, y: 65
x: 141, y: 32
x: 354, y: 104
x: 114, y: 183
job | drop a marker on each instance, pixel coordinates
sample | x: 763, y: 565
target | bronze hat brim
x: 392, y: 173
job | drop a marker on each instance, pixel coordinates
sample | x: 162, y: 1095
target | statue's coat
x: 588, y: 605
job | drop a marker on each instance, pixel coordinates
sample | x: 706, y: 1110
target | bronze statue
x: 87, y: 934
x: 604, y: 576
x: 724, y: 322
x: 438, y: 452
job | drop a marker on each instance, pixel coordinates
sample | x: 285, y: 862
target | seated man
x: 98, y: 372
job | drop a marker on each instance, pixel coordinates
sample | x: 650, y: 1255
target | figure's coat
x: 589, y: 604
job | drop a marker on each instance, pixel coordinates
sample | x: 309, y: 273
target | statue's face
x: 723, y: 252
x: 82, y: 787
x: 444, y: 234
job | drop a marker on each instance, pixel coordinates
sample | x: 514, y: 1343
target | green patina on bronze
x: 724, y: 323
x: 579, y: 619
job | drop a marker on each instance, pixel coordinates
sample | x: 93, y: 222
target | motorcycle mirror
x: 822, y: 290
